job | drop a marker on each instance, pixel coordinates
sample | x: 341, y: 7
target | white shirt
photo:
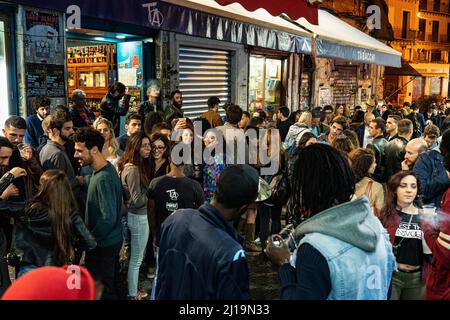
x: 368, y: 139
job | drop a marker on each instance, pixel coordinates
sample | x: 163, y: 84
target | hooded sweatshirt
x: 355, y: 247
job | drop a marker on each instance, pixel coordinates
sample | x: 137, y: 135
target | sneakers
x: 251, y: 246
x: 140, y: 296
x: 151, y: 273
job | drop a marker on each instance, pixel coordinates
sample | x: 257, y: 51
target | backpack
x: 292, y: 144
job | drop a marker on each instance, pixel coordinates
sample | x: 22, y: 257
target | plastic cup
x: 26, y: 151
x: 429, y: 210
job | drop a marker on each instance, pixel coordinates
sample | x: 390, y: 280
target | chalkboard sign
x: 45, y: 80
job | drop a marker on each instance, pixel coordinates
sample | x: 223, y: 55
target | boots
x: 250, y: 244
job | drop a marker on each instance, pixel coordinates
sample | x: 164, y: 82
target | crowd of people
x: 363, y: 194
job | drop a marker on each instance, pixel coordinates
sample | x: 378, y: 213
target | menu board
x: 45, y: 80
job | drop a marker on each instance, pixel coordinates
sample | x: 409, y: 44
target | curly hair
x: 362, y: 160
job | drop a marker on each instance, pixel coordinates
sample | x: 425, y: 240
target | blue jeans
x: 139, y: 230
x: 155, y: 279
x: 25, y: 269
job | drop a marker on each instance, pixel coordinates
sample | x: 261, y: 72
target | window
x: 265, y: 84
x: 435, y: 56
x: 435, y: 32
x: 448, y: 32
x: 422, y: 29
x: 423, y: 5
x: 436, y: 5
x: 405, y: 24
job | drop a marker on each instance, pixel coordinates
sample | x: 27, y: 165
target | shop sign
x: 330, y: 49
x: 155, y: 17
x: 364, y: 55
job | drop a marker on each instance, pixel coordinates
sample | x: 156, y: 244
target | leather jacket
x: 33, y: 238
x: 378, y: 146
x: 111, y: 109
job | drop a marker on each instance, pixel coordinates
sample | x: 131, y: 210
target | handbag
x: 281, y: 189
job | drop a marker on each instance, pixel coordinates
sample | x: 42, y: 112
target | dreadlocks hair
x: 322, y: 179
x: 390, y: 202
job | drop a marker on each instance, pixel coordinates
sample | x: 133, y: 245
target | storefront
x: 197, y: 46
x: 348, y: 63
x: 242, y: 62
x: 96, y: 59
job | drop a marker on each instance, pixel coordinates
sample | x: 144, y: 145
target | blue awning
x: 337, y: 39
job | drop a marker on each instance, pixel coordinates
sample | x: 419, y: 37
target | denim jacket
x: 356, y: 247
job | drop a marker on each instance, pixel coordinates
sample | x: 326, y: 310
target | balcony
x: 408, y: 35
x: 432, y: 38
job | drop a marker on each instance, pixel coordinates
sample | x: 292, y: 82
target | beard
x: 177, y: 104
x: 67, y: 138
x: 3, y: 170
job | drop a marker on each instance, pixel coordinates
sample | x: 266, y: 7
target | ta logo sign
x: 374, y: 21
x: 74, y: 20
x: 155, y: 17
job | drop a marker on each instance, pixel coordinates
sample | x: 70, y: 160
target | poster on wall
x: 44, y: 38
x: 129, y: 56
x: 325, y: 97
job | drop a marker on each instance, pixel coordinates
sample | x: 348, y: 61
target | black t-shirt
x: 163, y: 170
x: 171, y: 194
x: 284, y: 126
x: 408, y: 247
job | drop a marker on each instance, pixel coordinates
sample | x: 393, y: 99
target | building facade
x: 422, y: 34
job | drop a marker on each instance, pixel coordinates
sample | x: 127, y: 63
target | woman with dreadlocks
x: 342, y: 250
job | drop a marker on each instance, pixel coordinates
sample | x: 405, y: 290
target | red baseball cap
x: 53, y: 283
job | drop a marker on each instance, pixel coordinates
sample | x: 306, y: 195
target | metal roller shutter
x: 204, y: 73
